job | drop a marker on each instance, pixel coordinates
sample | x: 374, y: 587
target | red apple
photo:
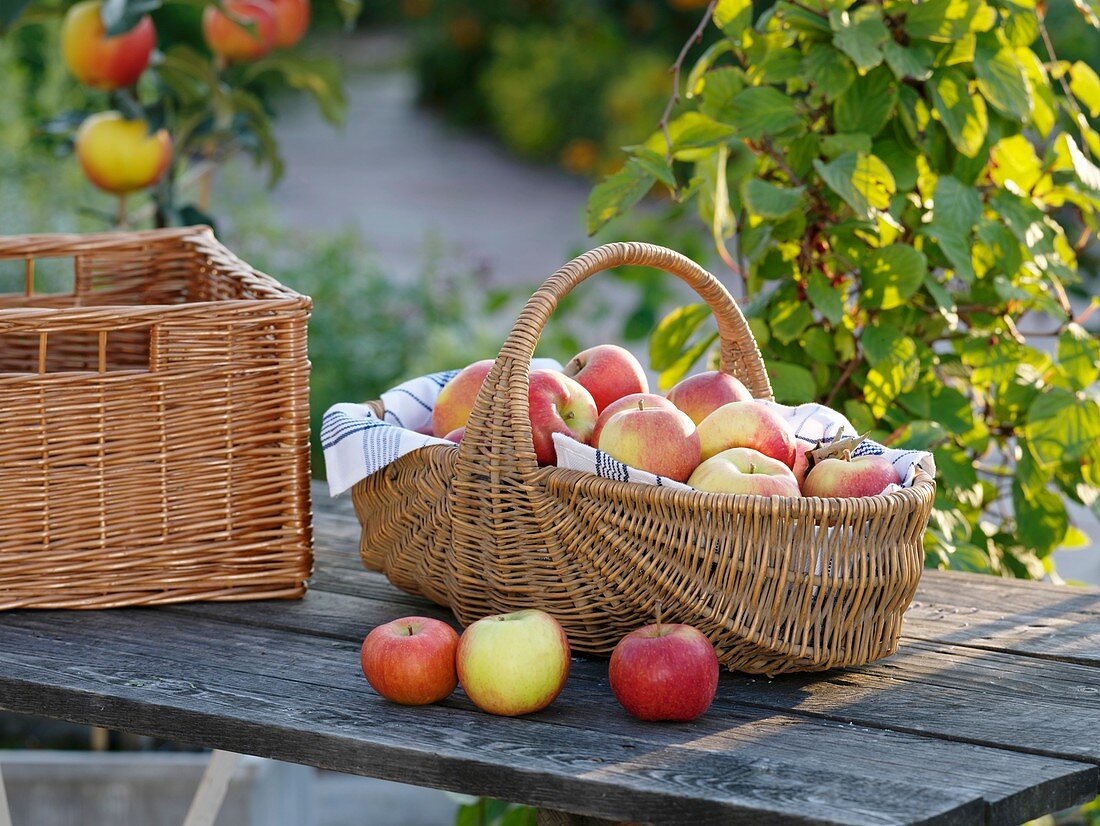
x: 801, y: 464
x: 660, y: 440
x: 456, y: 399
x: 291, y: 21
x: 640, y: 401
x: 228, y: 34
x: 100, y: 61
x: 411, y: 660
x: 664, y: 672
x: 744, y: 470
x: 847, y: 478
x: 608, y: 372
x: 456, y: 435
x: 512, y: 664
x: 747, y: 424
x: 557, y: 404
x: 702, y: 394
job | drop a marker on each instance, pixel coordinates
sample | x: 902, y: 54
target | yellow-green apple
x: 557, y: 404
x: 657, y: 439
x: 747, y: 424
x: 664, y: 672
x: 608, y: 372
x: 244, y: 31
x: 291, y: 21
x: 702, y: 394
x: 744, y: 470
x: 635, y: 401
x: 119, y: 155
x: 456, y: 435
x: 801, y: 464
x: 100, y: 61
x: 512, y: 664
x: 411, y: 660
x: 846, y: 477
x: 456, y: 399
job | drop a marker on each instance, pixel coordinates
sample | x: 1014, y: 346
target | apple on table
x: 664, y: 672
x: 411, y: 660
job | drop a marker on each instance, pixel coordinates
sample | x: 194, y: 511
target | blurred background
x: 416, y: 166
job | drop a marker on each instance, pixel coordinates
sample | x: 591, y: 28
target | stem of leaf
x: 676, y: 68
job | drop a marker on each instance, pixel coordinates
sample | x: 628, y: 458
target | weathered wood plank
x: 298, y: 698
x: 1014, y: 791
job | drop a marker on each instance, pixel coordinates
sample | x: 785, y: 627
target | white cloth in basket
x: 357, y: 443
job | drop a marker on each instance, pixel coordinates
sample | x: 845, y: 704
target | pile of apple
x: 708, y: 431
x: 513, y: 664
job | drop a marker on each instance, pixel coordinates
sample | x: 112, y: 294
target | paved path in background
x: 402, y: 177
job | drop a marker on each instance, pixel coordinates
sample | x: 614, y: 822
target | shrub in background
x: 903, y: 190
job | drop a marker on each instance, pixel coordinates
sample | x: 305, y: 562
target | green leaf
x: 963, y: 115
x: 682, y: 366
x: 694, y: 130
x: 891, y: 376
x: 828, y: 70
x: 1061, y: 426
x: 768, y: 200
x: 838, y: 144
x: 891, y: 275
x: 909, y: 62
x: 763, y: 110
x: 11, y: 11
x: 733, y: 17
x: 877, y: 342
x: 955, y: 204
x: 1002, y: 81
x: 955, y: 245
x: 1085, y: 85
x: 719, y: 87
x: 673, y: 333
x: 860, y: 33
x: 791, y: 383
x: 826, y: 298
x: 119, y: 16
x: 320, y: 77
x: 1041, y: 519
x: 867, y: 104
x: 942, y: 21
x: 788, y: 318
x: 617, y: 193
x: 1021, y: 26
x: 654, y: 163
x: 862, y: 180
x: 1079, y: 356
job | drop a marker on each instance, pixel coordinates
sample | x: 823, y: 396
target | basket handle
x: 498, y: 425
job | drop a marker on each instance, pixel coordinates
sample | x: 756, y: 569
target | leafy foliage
x: 901, y: 187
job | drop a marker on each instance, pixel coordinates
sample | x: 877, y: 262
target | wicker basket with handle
x: 777, y: 584
x: 154, y: 425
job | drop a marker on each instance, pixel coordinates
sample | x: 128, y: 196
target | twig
x: 1048, y: 43
x: 844, y: 376
x: 696, y: 36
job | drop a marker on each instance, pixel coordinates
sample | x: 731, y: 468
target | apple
x: 227, y: 35
x: 702, y: 394
x: 119, y: 155
x: 744, y: 470
x: 456, y: 435
x: 456, y: 399
x: 512, y: 664
x: 846, y: 477
x: 640, y: 401
x: 608, y: 372
x: 664, y: 672
x: 801, y: 464
x: 557, y: 404
x: 100, y: 61
x: 747, y: 424
x: 291, y: 22
x: 411, y: 660
x: 660, y: 440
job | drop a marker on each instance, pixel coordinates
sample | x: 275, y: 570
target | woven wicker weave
x: 778, y: 584
x: 154, y: 425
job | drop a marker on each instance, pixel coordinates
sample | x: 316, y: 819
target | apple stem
x: 412, y: 631
x: 752, y: 467
x: 847, y: 455
x: 120, y: 211
x: 660, y: 605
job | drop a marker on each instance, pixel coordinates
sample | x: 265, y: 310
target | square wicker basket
x: 154, y: 424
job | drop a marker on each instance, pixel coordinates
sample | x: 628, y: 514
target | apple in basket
x: 702, y: 394
x: 513, y: 664
x: 660, y: 440
x: 608, y: 372
x: 664, y: 672
x: 411, y: 660
x: 635, y: 401
x: 845, y: 477
x: 456, y: 399
x: 747, y: 424
x: 744, y: 470
x: 557, y: 404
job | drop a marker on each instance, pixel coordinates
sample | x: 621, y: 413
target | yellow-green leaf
x: 963, y: 114
x: 891, y: 275
x: 862, y: 180
x: 1002, y: 81
x: 1085, y: 85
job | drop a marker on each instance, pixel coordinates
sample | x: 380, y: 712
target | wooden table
x: 989, y: 713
